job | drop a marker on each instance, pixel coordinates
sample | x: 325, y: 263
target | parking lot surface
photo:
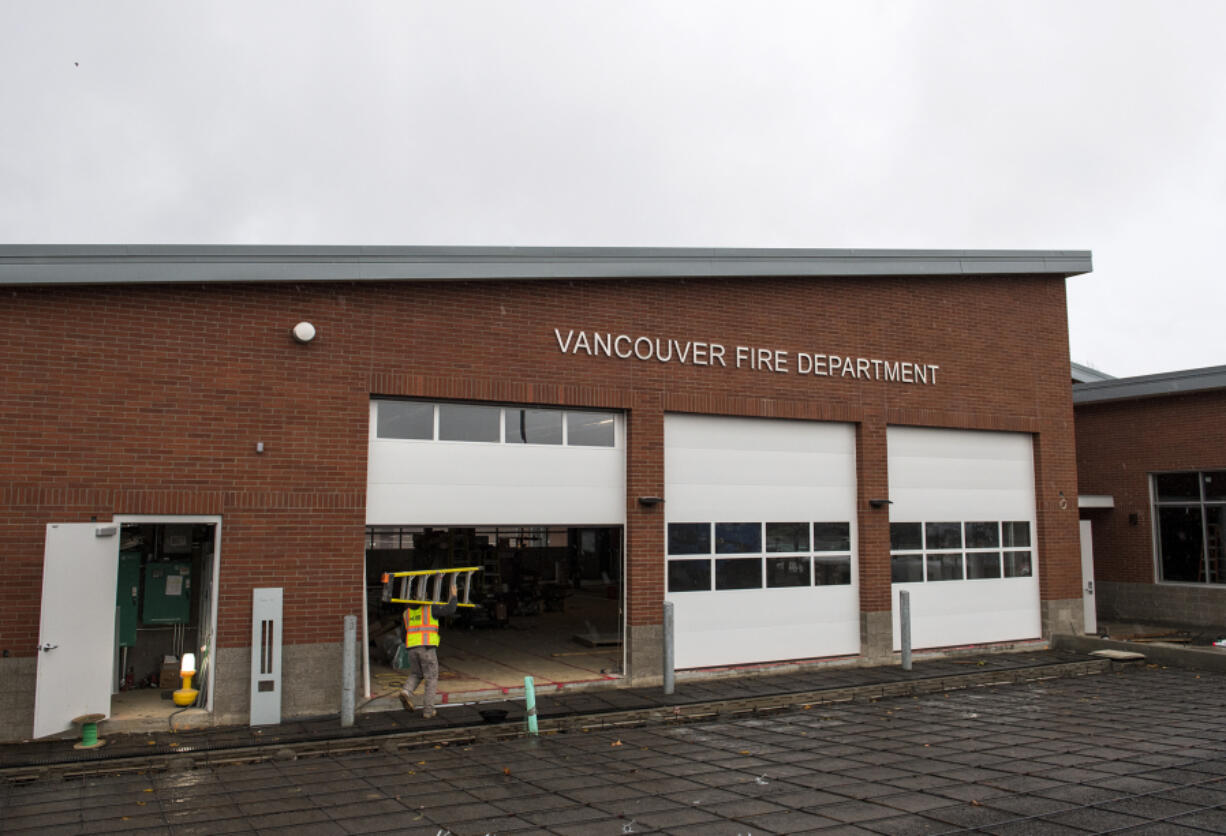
x: 1139, y: 751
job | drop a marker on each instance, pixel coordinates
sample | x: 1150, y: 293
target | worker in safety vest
x: 421, y: 637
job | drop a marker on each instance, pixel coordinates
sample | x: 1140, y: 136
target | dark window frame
x: 1211, y: 571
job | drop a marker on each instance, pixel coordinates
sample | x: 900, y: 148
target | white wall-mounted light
x: 304, y: 332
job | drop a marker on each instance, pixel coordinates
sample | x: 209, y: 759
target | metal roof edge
x: 34, y: 264
x: 1086, y: 374
x: 1150, y: 385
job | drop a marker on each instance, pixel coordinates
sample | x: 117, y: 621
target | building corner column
x: 644, y: 577
x: 873, y: 528
x: 1058, y: 535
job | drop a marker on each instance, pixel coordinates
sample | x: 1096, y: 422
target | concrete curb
x: 1175, y: 656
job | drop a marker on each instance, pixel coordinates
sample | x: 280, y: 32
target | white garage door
x: 472, y: 464
x: 962, y: 535
x: 760, y: 539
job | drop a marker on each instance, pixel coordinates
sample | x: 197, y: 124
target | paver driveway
x: 1141, y: 752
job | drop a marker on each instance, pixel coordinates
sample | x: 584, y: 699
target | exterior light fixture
x: 303, y: 332
x: 649, y: 501
x: 880, y: 503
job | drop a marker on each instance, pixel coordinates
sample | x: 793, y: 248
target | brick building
x: 776, y: 441
x: 1151, y: 455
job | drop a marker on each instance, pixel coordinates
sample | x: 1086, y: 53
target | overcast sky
x: 1048, y: 125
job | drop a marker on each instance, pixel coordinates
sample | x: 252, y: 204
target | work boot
x: 406, y: 701
x: 429, y: 714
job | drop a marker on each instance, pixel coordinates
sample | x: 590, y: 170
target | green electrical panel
x: 127, y: 595
x: 168, y: 588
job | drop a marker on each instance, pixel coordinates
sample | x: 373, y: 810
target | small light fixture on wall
x: 303, y: 332
x: 650, y: 501
x: 880, y: 503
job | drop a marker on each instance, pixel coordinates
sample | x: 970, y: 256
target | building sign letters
x: 753, y: 358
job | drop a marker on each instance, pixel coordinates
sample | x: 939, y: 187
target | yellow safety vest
x: 420, y: 627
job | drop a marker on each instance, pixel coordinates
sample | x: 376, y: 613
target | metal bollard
x: 904, y: 627
x: 669, y: 680
x: 348, y: 663
x: 530, y: 704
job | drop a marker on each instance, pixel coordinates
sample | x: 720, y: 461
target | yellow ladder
x: 425, y: 586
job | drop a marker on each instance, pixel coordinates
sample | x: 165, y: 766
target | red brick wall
x: 150, y: 399
x: 1119, y: 445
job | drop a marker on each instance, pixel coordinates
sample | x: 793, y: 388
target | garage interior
x: 547, y: 601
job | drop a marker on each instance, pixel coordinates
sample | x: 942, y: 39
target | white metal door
x: 1087, y: 578
x: 76, y: 635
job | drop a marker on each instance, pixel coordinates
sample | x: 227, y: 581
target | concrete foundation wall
x: 1166, y: 604
x: 310, y: 681
x: 877, y: 637
x: 1063, y: 616
x: 645, y: 654
x: 17, y: 698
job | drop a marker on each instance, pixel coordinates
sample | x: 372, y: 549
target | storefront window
x: 1180, y: 535
x: 1190, y: 514
x: 1177, y: 487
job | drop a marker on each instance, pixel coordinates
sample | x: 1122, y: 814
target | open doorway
x: 548, y: 604
x: 165, y: 608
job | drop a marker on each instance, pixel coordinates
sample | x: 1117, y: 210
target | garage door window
x: 954, y: 551
x: 771, y: 555
x: 405, y: 419
x: 534, y: 426
x: 464, y: 422
x: 426, y: 421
